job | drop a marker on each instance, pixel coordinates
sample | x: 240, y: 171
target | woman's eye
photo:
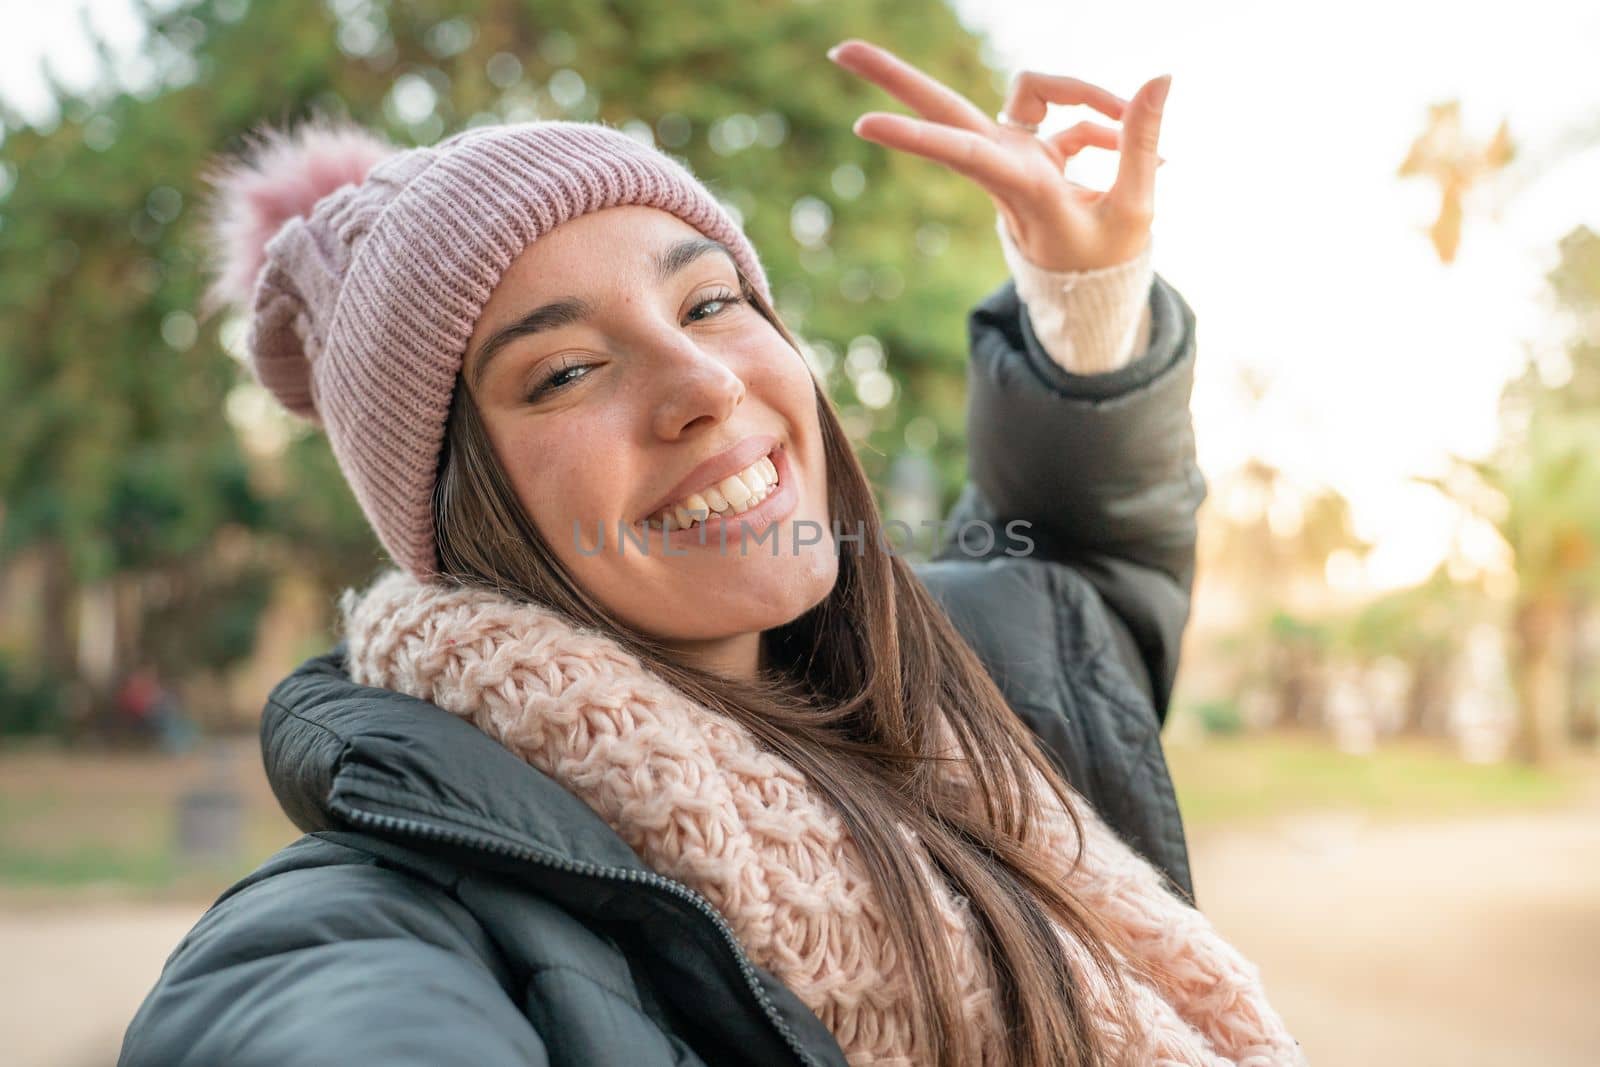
x: 726, y: 299
x: 556, y: 380
x: 565, y: 375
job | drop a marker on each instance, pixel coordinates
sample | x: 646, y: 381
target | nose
x: 696, y: 388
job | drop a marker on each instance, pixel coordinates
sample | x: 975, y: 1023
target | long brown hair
x: 848, y: 694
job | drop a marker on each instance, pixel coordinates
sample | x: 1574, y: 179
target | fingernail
x: 833, y: 53
x: 1159, y: 94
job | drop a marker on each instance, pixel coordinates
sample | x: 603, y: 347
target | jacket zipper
x: 622, y: 874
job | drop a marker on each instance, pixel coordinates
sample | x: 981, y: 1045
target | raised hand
x: 1056, y: 223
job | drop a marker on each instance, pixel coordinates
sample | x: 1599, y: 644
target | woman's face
x: 621, y: 377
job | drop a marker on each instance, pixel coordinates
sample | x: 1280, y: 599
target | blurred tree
x: 142, y: 459
x: 1421, y: 625
x: 1542, y: 481
x: 1541, y: 489
x: 1271, y: 550
x: 1296, y: 676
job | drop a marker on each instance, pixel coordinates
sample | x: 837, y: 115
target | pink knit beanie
x: 363, y: 269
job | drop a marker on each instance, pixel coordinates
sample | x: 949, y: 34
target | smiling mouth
x: 731, y: 496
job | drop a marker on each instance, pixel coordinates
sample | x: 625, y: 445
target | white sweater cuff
x: 1088, y: 321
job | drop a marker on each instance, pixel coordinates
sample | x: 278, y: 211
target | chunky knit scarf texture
x: 701, y: 802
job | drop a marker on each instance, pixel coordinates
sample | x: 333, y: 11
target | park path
x: 70, y: 980
x: 1468, y: 942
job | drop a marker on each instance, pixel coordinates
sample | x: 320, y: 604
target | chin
x: 806, y: 587
x: 746, y: 599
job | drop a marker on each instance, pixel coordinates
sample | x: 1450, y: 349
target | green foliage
x: 30, y: 704
x: 214, y: 624
x: 1421, y: 620
x: 1541, y: 487
x: 1219, y: 718
x: 1292, y: 629
x: 1553, y: 492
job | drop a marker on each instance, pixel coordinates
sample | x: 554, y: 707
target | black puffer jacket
x: 450, y: 904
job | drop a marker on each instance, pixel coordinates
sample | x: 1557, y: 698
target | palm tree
x: 1545, y: 480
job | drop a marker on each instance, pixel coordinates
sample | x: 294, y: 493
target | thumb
x: 1134, y: 189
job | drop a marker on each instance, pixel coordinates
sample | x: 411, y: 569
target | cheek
x: 780, y: 375
x: 792, y: 391
x: 561, y: 478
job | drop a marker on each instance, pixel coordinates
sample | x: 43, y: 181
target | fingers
x: 927, y: 96
x: 1071, y: 141
x: 963, y: 151
x: 1134, y: 190
x: 1032, y: 93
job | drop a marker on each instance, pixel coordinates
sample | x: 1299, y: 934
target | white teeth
x: 733, y: 495
x: 735, y: 490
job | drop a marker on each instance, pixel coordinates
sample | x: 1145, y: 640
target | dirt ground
x: 1465, y: 942
x: 1468, y: 942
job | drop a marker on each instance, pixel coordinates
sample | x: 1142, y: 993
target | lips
x: 733, y: 527
x: 715, y: 469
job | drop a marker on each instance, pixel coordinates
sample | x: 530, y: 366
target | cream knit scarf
x: 699, y: 801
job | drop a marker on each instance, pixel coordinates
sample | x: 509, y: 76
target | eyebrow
x: 569, y: 310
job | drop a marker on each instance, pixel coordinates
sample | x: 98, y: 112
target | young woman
x: 651, y: 751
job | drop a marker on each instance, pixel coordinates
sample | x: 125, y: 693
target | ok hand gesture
x: 1057, y: 224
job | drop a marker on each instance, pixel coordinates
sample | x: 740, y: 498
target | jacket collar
x: 331, y: 746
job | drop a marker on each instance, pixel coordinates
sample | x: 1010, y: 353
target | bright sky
x: 53, y: 31
x: 1278, y: 213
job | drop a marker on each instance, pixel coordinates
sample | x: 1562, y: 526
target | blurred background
x: 1386, y: 736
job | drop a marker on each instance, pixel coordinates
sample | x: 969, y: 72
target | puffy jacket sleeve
x: 347, y: 963
x: 1094, y: 471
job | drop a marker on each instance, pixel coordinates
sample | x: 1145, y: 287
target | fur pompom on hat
x: 362, y: 269
x: 280, y: 176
